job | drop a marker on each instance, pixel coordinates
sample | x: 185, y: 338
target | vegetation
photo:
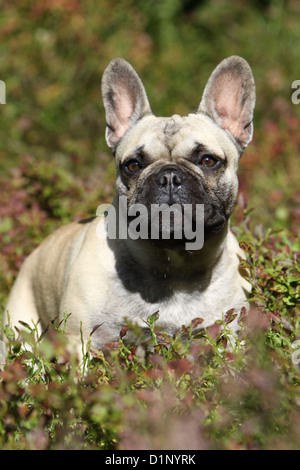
x: 165, y: 393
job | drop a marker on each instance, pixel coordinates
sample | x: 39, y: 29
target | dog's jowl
x: 167, y: 169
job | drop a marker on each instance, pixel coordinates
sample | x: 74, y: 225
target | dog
x: 190, y: 160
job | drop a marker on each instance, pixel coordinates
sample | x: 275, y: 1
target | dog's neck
x: 157, y: 272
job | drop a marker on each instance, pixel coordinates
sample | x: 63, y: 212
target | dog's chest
x: 173, y: 312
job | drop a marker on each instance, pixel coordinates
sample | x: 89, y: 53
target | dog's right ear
x: 124, y: 98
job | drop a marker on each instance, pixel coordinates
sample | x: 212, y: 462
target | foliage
x: 198, y: 390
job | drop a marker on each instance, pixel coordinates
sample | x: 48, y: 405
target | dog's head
x: 181, y: 160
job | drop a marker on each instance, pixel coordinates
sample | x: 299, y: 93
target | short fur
x: 101, y: 281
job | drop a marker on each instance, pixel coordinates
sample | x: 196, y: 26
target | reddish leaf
x: 96, y: 328
x: 230, y: 315
x: 214, y: 330
x: 243, y: 315
x: 124, y: 331
x: 196, y: 321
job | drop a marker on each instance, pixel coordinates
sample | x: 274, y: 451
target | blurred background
x: 54, y: 162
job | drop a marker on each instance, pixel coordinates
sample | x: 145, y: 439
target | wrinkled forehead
x: 176, y: 136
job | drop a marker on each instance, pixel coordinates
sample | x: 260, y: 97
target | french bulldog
x: 181, y: 161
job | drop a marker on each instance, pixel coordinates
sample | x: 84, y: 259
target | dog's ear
x: 124, y: 98
x: 229, y: 98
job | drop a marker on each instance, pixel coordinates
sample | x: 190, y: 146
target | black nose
x: 169, y: 179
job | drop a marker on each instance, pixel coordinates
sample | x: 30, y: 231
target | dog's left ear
x: 229, y: 98
x: 124, y: 98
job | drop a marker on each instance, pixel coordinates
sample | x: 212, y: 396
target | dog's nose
x: 169, y: 179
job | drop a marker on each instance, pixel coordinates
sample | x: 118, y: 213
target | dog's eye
x: 133, y: 166
x: 208, y: 161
